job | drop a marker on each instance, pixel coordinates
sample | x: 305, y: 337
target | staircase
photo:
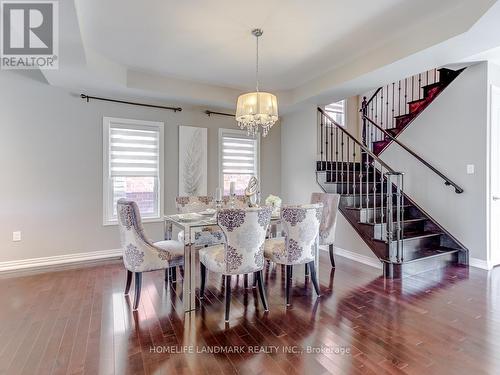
x: 401, y: 234
x: 393, y: 107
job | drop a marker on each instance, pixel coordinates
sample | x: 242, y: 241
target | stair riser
x: 351, y: 176
x: 361, y: 201
x: 414, y: 244
x: 396, y: 271
x: 380, y: 230
x: 367, y: 215
x: 331, y: 165
x: 428, y: 91
x: 347, y: 188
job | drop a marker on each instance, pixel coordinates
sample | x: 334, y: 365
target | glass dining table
x: 188, y: 223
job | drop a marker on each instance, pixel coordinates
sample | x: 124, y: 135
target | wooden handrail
x: 374, y: 95
x: 447, y: 181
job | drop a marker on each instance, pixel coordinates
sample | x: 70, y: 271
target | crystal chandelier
x: 257, y: 109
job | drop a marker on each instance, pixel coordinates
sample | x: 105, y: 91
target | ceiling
x: 210, y: 41
x: 202, y: 51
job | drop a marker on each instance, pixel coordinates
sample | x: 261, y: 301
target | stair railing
x: 447, y: 181
x: 392, y: 100
x: 368, y: 182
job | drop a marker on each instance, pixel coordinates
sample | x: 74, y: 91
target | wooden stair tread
x: 405, y: 221
x: 377, y: 208
x: 416, y: 235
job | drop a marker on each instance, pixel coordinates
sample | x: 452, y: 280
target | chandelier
x: 256, y: 110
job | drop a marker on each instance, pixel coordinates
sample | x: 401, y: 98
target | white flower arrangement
x: 275, y: 202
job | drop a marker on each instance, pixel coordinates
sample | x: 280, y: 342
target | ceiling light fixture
x: 257, y: 109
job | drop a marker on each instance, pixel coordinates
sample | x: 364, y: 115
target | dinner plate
x: 189, y: 217
x: 208, y: 212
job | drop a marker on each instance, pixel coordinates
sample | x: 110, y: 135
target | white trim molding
x: 480, y: 263
x: 368, y: 260
x: 57, y: 260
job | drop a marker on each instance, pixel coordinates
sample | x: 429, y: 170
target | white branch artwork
x: 192, y: 161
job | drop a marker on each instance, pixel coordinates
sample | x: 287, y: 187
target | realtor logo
x: 29, y: 37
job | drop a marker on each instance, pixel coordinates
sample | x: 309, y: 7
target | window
x: 132, y: 166
x: 238, y: 159
x: 337, y: 111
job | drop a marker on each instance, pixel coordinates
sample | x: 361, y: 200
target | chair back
x: 187, y: 204
x: 133, y: 240
x: 245, y: 233
x: 239, y: 202
x: 329, y: 217
x: 301, y: 226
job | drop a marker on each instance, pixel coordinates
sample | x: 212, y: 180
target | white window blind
x: 132, y: 166
x: 134, y: 152
x: 239, y: 158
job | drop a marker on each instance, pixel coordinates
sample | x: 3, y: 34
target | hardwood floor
x: 79, y: 322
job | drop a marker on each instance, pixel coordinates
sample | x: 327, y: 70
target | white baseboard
x: 479, y: 263
x: 40, y: 263
x: 369, y: 261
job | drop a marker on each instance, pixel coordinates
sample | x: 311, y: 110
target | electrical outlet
x: 470, y: 168
x: 16, y: 236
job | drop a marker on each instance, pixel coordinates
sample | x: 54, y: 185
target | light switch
x: 16, y: 236
x: 470, y: 168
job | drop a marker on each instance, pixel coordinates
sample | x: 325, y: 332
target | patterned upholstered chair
x: 139, y: 253
x: 301, y: 227
x: 240, y: 201
x: 328, y: 220
x: 187, y: 204
x: 243, y: 251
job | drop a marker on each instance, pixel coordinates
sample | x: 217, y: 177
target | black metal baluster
x: 387, y: 107
x: 419, y: 85
x: 393, y: 108
x: 354, y: 171
x: 347, y: 175
x: 337, y: 157
x: 381, y: 114
x: 382, y: 202
x: 399, y: 98
x: 374, y: 190
x: 406, y: 94
x: 326, y: 148
x: 331, y: 151
x: 342, y: 161
x: 367, y: 202
x: 360, y: 179
x: 412, y: 88
x: 376, y: 117
x: 321, y: 140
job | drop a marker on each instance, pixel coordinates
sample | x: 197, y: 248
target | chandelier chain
x: 257, y: 66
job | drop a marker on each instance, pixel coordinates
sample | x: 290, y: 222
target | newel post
x: 364, y: 113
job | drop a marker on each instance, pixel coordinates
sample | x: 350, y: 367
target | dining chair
x: 188, y: 204
x: 328, y: 220
x: 239, y: 202
x: 139, y: 253
x: 301, y: 228
x: 242, y: 252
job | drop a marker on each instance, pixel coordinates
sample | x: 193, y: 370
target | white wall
x: 449, y: 134
x: 51, y: 164
x: 298, y: 177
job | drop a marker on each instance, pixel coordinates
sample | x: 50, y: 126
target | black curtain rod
x: 218, y: 113
x: 88, y: 97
